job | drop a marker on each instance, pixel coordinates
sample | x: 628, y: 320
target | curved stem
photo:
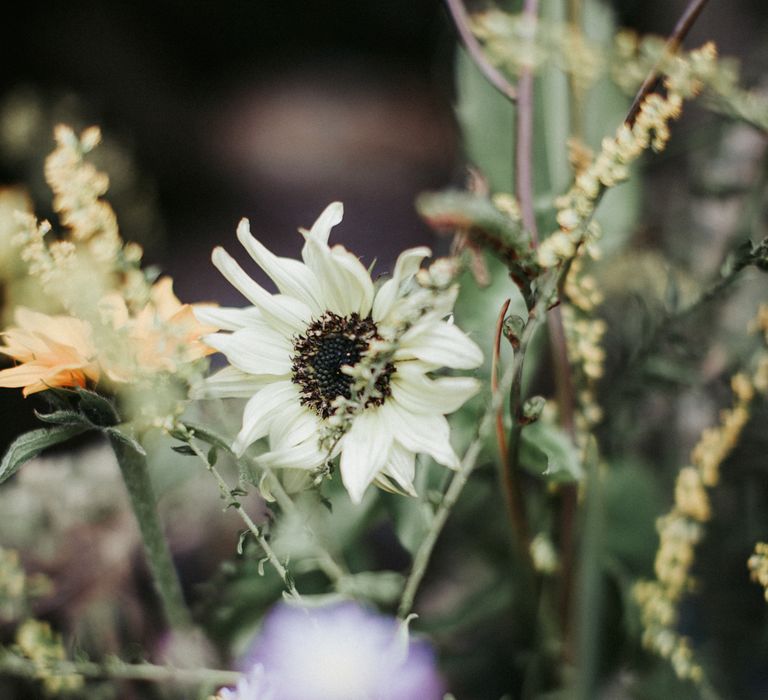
x: 651, y: 82
x: 492, y: 74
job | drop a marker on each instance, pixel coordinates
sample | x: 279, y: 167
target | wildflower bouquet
x: 530, y: 466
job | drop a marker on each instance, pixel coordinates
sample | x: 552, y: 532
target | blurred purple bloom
x: 336, y: 652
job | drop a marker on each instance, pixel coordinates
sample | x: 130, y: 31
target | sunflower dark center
x: 330, y: 343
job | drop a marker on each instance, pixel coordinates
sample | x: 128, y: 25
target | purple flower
x: 336, y: 652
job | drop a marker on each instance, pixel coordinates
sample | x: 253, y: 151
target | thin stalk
x: 117, y: 669
x: 135, y: 471
x: 511, y: 375
x: 492, y: 74
x: 513, y: 496
x: 226, y: 494
x: 330, y: 567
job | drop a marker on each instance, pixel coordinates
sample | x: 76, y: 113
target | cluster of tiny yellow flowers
x: 760, y: 325
x: 43, y: 647
x: 508, y: 205
x: 609, y: 168
x: 716, y: 443
x: 758, y: 566
x: 17, y: 587
x: 92, y: 258
x: 78, y: 187
x: 700, y: 69
x: 517, y: 41
x: 12, y: 585
x: 584, y: 334
x: 682, y: 528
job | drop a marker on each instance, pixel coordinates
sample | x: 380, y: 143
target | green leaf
x: 209, y: 436
x: 31, y: 444
x: 183, y: 449
x: 126, y: 439
x: 98, y: 409
x: 546, y: 450
x: 487, y: 121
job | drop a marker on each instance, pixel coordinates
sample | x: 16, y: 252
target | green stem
x: 116, y: 669
x: 135, y: 471
x: 227, y: 495
x: 424, y: 553
x: 330, y: 567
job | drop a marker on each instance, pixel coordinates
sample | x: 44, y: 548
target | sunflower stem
x: 228, y: 495
x: 330, y: 567
x: 135, y: 472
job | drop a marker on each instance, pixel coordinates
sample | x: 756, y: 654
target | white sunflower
x: 290, y: 354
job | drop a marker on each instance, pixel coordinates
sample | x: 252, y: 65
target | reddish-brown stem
x: 651, y: 82
x: 513, y: 495
x: 524, y: 140
x: 501, y: 436
x: 492, y: 74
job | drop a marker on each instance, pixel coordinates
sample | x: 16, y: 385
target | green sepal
x: 65, y: 417
x: 98, y: 409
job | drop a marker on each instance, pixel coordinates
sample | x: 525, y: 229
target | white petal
x: 364, y: 451
x: 429, y: 434
x: 401, y: 466
x: 416, y: 392
x: 229, y: 382
x: 291, y: 276
x: 305, y: 455
x: 345, y: 283
x: 408, y: 263
x: 227, y: 319
x: 261, y: 351
x: 321, y: 229
x: 441, y: 344
x: 259, y: 411
x: 293, y: 424
x: 284, y: 313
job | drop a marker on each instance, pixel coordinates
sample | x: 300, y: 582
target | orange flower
x: 53, y: 351
x: 162, y: 336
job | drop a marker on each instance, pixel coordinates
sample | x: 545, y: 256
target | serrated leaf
x: 64, y: 417
x: 546, y: 450
x: 126, y: 439
x: 31, y: 444
x: 98, y: 409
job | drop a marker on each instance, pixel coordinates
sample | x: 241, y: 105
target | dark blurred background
x: 216, y: 110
